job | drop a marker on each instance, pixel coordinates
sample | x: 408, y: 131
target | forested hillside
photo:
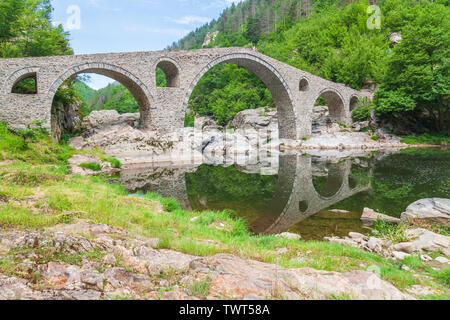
x: 113, y: 97
x: 332, y: 39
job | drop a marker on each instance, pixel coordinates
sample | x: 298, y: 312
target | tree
x: 418, y: 79
x: 253, y: 29
x: 26, y: 30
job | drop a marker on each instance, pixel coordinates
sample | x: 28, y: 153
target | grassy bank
x: 36, y: 191
x: 427, y: 139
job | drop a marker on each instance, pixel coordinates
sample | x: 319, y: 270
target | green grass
x: 426, y: 138
x: 390, y: 231
x: 91, y: 166
x: 115, y: 163
x: 201, y: 288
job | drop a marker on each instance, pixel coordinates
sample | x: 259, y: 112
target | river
x: 303, y: 193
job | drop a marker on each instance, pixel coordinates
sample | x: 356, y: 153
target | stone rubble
x: 421, y: 240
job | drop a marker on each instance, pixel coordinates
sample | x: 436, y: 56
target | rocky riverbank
x: 253, y: 134
x: 86, y: 261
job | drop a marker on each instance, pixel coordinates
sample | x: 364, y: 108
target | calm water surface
x: 301, y: 193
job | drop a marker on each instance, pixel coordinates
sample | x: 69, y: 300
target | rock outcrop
x: 210, y: 37
x: 86, y: 261
x: 65, y: 118
x: 104, y: 118
x: 395, y: 38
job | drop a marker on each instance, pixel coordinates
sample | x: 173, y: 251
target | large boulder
x: 206, y: 123
x: 369, y: 217
x: 98, y: 119
x: 434, y: 209
x: 103, y: 118
x: 257, y: 119
x: 424, y: 240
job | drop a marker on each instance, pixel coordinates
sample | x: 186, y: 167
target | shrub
x: 91, y: 166
x: 189, y: 120
x: 115, y: 163
x: 362, y: 110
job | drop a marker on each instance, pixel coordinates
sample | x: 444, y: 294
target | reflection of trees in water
x: 401, y: 179
x: 219, y: 188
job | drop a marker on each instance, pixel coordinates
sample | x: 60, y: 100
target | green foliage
x: 334, y: 43
x: 390, y: 231
x: 161, y: 80
x: 26, y: 30
x: 91, y: 166
x: 443, y: 276
x: 115, y: 163
x: 225, y: 90
x: 253, y: 29
x: 189, y: 120
x: 427, y: 139
x: 26, y: 86
x: 201, y: 288
x: 362, y: 110
x: 169, y: 204
x: 418, y: 77
x: 33, y: 145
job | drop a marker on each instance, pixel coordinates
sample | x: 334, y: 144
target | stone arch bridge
x: 294, y: 91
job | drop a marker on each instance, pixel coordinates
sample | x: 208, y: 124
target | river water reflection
x: 303, y: 193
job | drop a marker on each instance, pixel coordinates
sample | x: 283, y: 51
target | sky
x: 104, y: 26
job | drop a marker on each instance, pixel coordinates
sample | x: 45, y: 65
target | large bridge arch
x: 274, y: 81
x: 136, y: 87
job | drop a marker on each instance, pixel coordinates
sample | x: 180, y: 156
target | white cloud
x: 189, y: 19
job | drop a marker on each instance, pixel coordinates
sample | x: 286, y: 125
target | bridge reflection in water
x: 304, y: 186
